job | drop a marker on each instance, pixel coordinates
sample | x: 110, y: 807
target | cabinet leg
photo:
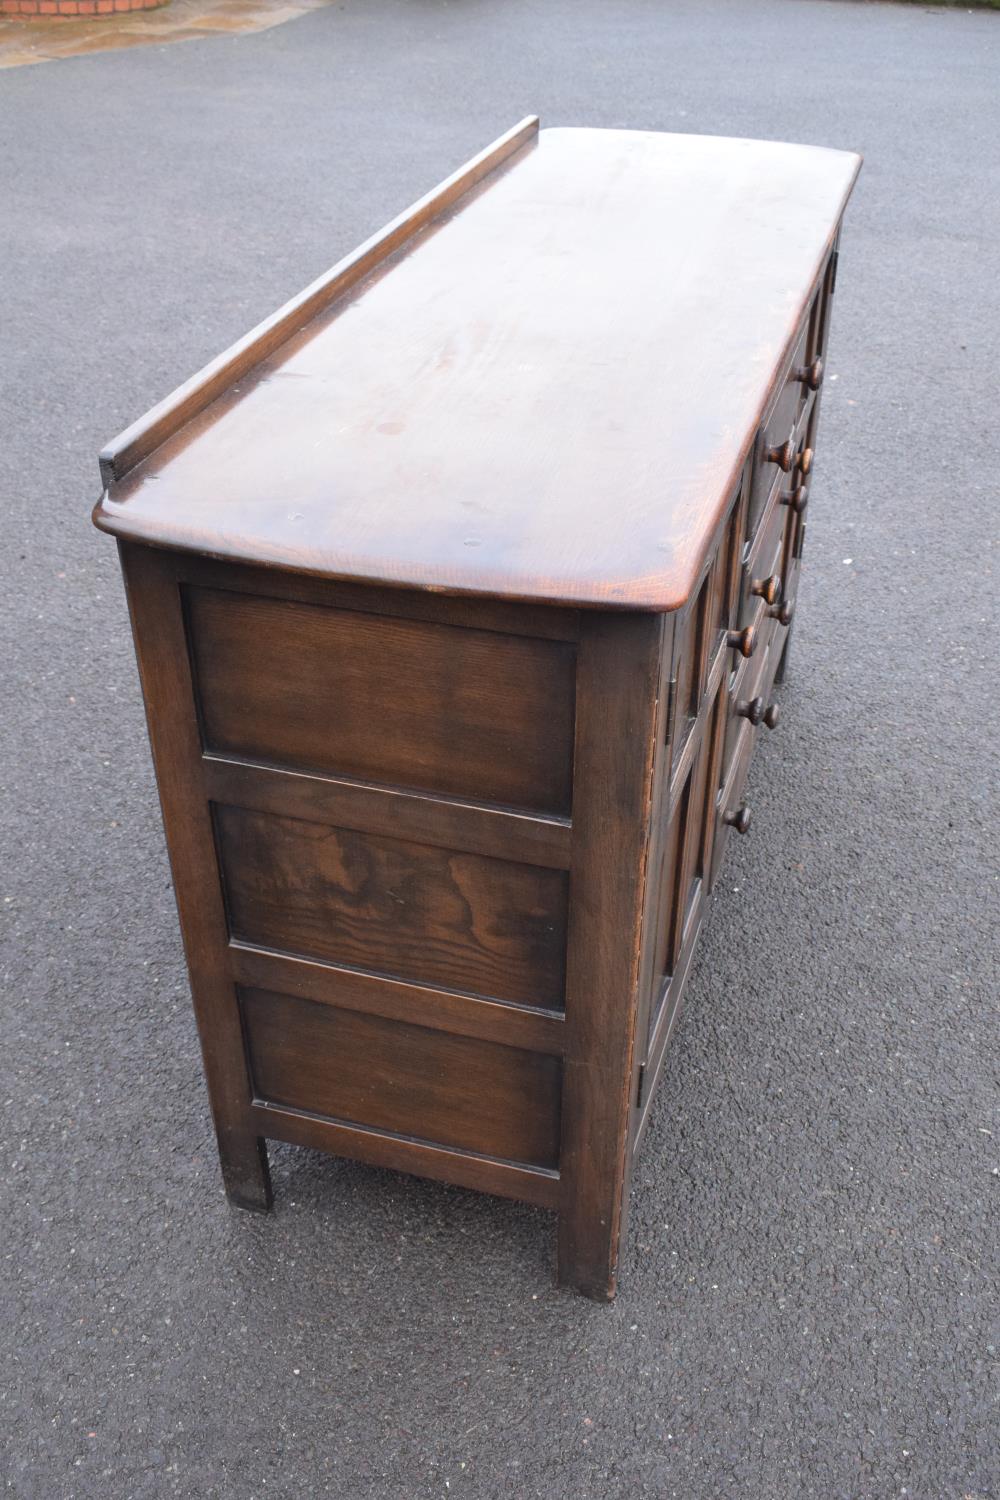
x: 588, y: 1251
x: 617, y: 732
x: 245, y: 1173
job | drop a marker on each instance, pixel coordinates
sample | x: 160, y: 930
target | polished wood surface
x: 618, y: 722
x: 413, y: 911
x: 471, y: 1094
x: 442, y: 859
x: 547, y: 393
x: 399, y: 701
x: 166, y: 418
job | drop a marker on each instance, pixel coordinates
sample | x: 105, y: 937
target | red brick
x: 76, y: 7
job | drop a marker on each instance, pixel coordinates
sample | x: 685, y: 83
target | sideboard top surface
x: 545, y: 392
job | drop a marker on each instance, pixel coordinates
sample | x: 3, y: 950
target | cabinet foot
x: 588, y: 1256
x: 245, y: 1173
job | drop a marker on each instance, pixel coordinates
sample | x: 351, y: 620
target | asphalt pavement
x: 809, y: 1295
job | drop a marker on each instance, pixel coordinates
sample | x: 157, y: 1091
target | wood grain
x: 170, y: 415
x: 494, y: 831
x: 550, y: 397
x: 472, y: 713
x: 158, y: 627
x: 537, y: 1185
x: 435, y: 916
x: 441, y: 1010
x: 619, y: 720
x: 363, y: 1069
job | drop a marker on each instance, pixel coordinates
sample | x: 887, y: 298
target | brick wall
x: 97, y: 8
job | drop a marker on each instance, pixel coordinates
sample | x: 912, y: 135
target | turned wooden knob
x: 741, y: 640
x: 738, y: 819
x: 783, y: 456
x: 782, y: 613
x: 804, y: 461
x: 752, y: 709
x: 796, y: 499
x: 811, y: 375
x: 772, y: 714
x: 767, y: 589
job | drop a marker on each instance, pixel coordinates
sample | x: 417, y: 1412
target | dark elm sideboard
x: 460, y: 588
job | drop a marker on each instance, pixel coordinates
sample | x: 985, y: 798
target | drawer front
x: 456, y: 1091
x: 730, y: 794
x: 741, y: 696
x: 471, y: 713
x: 762, y: 578
x: 786, y: 422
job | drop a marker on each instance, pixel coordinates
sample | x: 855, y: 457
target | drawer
x: 761, y: 594
x: 730, y: 813
x: 783, y: 429
x: 762, y: 580
x: 748, y: 699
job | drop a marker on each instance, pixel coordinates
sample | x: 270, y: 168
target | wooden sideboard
x: 460, y: 589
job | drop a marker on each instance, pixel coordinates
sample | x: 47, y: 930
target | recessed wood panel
x: 434, y: 916
x: 454, y: 1090
x: 471, y: 713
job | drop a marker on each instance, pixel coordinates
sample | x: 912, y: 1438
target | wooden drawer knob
x: 783, y: 456
x: 804, y: 461
x: 811, y: 375
x: 796, y: 499
x: 752, y: 709
x: 782, y: 613
x: 741, y: 640
x: 739, y: 819
x: 768, y: 589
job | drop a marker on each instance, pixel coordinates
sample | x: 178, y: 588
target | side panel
x: 409, y: 703
x: 375, y: 909
x: 454, y: 1090
x: 435, y: 916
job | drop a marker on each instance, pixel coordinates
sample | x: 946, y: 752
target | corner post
x: 154, y: 598
x: 617, y: 679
